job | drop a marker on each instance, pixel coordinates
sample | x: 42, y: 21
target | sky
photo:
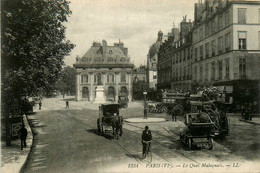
x: 135, y: 22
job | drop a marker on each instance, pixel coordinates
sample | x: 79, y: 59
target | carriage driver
x: 146, y: 137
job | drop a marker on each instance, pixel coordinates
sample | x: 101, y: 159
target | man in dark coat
x: 23, y: 134
x: 146, y: 137
x: 40, y: 105
x: 67, y: 104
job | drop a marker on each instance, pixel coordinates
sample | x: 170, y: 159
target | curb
x: 246, y: 121
x: 32, y: 144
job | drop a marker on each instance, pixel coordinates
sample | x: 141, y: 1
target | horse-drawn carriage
x: 199, y: 130
x: 109, y: 120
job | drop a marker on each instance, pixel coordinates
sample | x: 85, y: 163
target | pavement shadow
x: 135, y: 156
x: 94, y: 131
x: 69, y: 99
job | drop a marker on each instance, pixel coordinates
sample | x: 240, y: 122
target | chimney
x: 104, y: 46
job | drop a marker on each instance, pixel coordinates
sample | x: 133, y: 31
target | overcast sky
x: 135, y: 22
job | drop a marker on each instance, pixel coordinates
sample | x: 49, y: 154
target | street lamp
x: 145, y: 106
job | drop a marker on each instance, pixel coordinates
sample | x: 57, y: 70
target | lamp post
x: 145, y: 106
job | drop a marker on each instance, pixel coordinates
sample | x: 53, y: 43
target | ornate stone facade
x: 108, y: 65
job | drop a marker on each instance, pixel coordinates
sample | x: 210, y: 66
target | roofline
x: 103, y: 65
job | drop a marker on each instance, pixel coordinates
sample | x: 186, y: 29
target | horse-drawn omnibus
x: 109, y: 120
x: 179, y: 101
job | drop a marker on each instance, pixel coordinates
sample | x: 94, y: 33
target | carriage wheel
x: 98, y: 128
x: 210, y: 143
x: 190, y: 143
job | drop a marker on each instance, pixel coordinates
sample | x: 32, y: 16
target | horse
x: 117, y: 122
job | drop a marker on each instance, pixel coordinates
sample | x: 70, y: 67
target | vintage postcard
x: 128, y: 86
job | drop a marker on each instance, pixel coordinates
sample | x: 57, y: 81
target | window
x: 206, y: 71
x: 201, y: 52
x: 188, y: 53
x: 242, y: 40
x: 180, y: 56
x: 213, y: 71
x: 241, y: 15
x: 207, y: 49
x: 184, y: 55
x: 259, y: 40
x: 227, y: 18
x: 242, y: 67
x: 201, y: 33
x: 212, y: 27
x: 184, y: 72
x: 227, y: 42
x: 180, y: 74
x: 196, y: 54
x: 195, y: 36
x: 84, y: 79
x: 195, y: 72
x: 220, y: 23
x: 207, y: 30
x: 259, y: 15
x: 110, y: 78
x: 123, y: 76
x: 220, y: 69
x: 177, y: 75
x: 201, y: 72
x: 220, y: 44
x: 110, y: 52
x: 227, y: 68
x: 213, y: 47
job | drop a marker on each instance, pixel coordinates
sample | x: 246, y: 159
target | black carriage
x: 109, y: 120
x: 198, y: 132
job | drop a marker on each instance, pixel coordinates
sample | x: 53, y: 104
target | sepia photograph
x: 130, y: 86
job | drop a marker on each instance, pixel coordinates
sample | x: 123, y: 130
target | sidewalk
x: 13, y: 158
x: 254, y: 120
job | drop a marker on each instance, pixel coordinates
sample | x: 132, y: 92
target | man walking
x: 40, y: 105
x: 67, y: 104
x: 174, y: 114
x: 146, y: 140
x: 23, y: 134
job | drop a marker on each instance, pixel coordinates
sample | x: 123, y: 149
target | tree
x: 67, y: 82
x: 33, y: 46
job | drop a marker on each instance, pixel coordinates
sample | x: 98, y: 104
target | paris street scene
x: 113, y: 86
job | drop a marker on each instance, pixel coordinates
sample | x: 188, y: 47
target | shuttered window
x: 241, y: 15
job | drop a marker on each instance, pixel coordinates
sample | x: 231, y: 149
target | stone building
x: 182, y: 58
x: 226, y: 41
x: 111, y: 65
x: 140, y: 84
x: 174, y: 62
x: 226, y: 47
x: 152, y: 59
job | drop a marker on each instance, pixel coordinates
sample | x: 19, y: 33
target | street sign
x: 145, y: 93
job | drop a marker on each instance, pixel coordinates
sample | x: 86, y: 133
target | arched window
x: 110, y: 59
x: 123, y: 76
x: 110, y: 52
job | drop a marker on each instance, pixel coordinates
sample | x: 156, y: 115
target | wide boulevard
x: 65, y: 140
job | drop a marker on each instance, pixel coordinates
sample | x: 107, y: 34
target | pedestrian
x: 40, y: 105
x: 174, y: 114
x: 23, y: 134
x: 67, y: 104
x: 146, y: 139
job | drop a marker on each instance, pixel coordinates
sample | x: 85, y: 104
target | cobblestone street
x: 66, y: 141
